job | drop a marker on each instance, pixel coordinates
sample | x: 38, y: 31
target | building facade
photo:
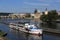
x: 35, y: 15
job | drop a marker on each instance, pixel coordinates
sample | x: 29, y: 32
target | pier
x: 51, y: 30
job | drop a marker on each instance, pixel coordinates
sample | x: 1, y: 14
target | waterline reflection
x: 25, y: 35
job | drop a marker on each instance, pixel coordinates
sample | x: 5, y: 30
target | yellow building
x: 36, y: 15
x: 16, y: 15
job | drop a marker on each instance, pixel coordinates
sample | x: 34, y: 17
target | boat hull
x: 33, y: 32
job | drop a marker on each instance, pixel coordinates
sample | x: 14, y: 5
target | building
x: 58, y: 12
x: 17, y: 15
x: 36, y: 14
x: 46, y: 11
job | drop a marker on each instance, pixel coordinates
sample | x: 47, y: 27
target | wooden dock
x: 51, y: 30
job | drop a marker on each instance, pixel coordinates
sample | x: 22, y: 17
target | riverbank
x: 56, y: 31
x: 3, y: 38
x: 2, y: 35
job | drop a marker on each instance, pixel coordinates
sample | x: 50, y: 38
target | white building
x: 58, y: 12
x: 46, y: 11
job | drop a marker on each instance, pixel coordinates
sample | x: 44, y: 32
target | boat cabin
x: 30, y: 26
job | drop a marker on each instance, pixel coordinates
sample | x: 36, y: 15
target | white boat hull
x: 35, y: 32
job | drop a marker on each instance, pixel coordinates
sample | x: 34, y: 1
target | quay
x: 51, y: 30
x: 44, y: 29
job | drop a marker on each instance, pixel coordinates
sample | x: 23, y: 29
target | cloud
x: 36, y: 4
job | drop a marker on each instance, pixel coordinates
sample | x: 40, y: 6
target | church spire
x: 35, y: 11
x: 46, y: 9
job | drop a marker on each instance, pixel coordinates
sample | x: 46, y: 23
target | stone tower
x: 46, y: 11
x: 36, y: 14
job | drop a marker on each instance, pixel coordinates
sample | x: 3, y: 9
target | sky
x: 18, y: 6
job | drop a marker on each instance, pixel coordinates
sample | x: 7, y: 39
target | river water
x: 17, y: 35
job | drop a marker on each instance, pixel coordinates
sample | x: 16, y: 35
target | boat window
x: 31, y: 28
x: 35, y: 28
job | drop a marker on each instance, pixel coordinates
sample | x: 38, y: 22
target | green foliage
x: 4, y: 14
x: 43, y: 17
x: 1, y: 33
x: 51, y: 16
x: 58, y: 16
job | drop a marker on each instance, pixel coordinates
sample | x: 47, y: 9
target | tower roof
x: 36, y: 11
x: 46, y: 9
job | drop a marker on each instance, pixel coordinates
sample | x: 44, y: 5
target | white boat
x: 31, y: 29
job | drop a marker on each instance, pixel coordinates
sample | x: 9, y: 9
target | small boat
x: 31, y: 29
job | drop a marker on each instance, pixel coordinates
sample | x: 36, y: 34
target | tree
x: 51, y: 16
x: 59, y: 17
x: 43, y: 17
